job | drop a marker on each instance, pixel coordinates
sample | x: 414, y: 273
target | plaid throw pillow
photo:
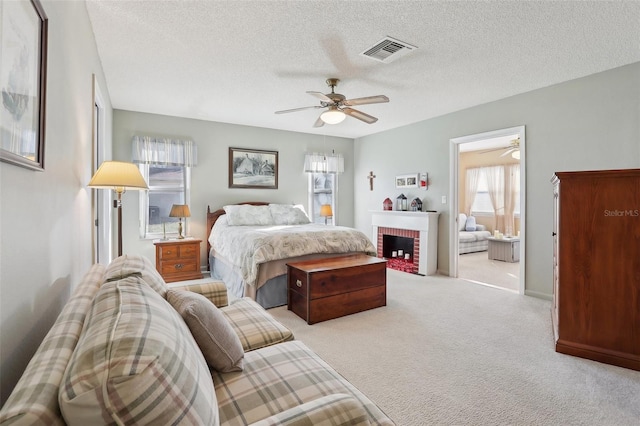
x: 135, y: 265
x: 255, y: 327
x: 136, y: 363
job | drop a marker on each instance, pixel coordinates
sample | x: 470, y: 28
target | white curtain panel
x: 511, y: 193
x: 495, y: 184
x: 471, y: 189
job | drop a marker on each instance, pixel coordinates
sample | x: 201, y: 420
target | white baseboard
x: 538, y: 294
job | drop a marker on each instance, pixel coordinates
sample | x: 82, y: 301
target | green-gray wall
x: 588, y: 123
x: 45, y: 217
x: 585, y: 124
x: 209, y: 179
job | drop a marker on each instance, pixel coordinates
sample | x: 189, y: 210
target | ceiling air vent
x: 388, y: 50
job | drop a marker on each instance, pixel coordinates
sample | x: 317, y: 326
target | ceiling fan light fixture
x: 333, y: 115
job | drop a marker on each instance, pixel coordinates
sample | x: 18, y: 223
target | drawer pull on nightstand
x: 179, y: 266
x: 299, y: 283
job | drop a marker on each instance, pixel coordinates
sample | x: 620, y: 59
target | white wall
x: 209, y: 180
x: 585, y: 124
x: 45, y: 217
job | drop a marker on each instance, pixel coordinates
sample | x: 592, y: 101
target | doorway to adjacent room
x: 100, y: 200
x: 488, y: 193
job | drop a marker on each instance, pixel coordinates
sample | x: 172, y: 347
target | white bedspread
x: 248, y: 246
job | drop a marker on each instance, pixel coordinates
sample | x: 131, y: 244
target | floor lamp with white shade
x: 119, y: 176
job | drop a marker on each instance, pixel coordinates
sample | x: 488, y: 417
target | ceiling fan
x: 338, y: 106
x: 513, y: 148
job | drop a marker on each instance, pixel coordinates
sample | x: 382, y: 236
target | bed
x: 249, y: 245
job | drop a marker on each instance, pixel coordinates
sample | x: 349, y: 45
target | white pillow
x: 462, y: 221
x: 471, y: 224
x: 287, y: 214
x: 248, y: 215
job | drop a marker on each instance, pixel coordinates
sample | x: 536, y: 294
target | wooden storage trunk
x: 324, y: 289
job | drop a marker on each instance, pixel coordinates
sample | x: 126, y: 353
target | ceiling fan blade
x: 319, y: 122
x: 486, y: 151
x: 321, y: 96
x: 508, y: 151
x: 298, y: 109
x: 379, y: 99
x: 369, y: 119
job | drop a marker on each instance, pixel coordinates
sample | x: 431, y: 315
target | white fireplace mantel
x: 426, y: 223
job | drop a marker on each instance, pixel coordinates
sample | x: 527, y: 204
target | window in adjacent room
x: 482, y: 205
x: 482, y: 202
x: 166, y: 166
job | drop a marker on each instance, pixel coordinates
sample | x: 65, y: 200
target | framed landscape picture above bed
x: 253, y: 168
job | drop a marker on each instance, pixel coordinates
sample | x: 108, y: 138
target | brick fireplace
x: 415, y: 234
x: 401, y: 247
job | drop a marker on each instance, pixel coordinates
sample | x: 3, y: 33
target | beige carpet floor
x: 448, y: 352
x: 479, y: 268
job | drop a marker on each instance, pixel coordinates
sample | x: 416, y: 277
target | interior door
x: 100, y: 206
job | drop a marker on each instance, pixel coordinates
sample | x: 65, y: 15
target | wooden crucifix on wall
x: 371, y: 177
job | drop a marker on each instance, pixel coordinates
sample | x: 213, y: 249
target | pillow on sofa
x: 136, y: 363
x: 254, y: 326
x: 462, y: 221
x: 288, y: 214
x: 131, y: 264
x: 214, y: 335
x: 248, y: 215
x: 470, y: 225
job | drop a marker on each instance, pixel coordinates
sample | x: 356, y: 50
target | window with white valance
x: 166, y: 166
x: 323, y: 170
x: 323, y: 163
x: 164, y: 152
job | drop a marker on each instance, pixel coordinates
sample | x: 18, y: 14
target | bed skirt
x: 272, y: 286
x: 271, y: 294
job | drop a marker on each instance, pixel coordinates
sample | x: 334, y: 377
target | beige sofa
x: 471, y: 241
x: 128, y: 349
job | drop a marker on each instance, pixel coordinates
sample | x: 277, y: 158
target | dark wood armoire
x: 596, y: 265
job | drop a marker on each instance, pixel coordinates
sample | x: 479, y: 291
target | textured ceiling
x: 240, y: 61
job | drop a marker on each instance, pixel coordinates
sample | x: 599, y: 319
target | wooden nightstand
x: 178, y: 260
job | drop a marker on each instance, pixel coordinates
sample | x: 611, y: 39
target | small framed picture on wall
x: 407, y: 181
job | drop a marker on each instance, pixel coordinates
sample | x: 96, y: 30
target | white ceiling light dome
x: 333, y: 115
